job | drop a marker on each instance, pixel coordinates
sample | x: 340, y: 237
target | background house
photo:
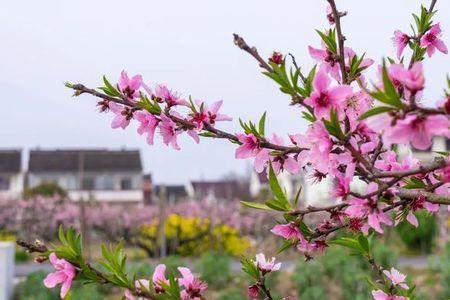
x: 101, y: 175
x: 227, y: 189
x: 11, y: 175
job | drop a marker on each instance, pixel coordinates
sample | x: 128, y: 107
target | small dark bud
x: 40, y: 259
x: 276, y: 58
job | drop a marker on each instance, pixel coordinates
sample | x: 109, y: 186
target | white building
x: 99, y: 175
x: 11, y: 175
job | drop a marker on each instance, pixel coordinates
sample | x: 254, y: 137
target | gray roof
x: 95, y: 160
x: 10, y: 161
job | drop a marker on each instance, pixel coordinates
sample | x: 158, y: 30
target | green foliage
x: 109, y: 89
x: 250, y: 127
x: 141, y: 269
x: 440, y: 265
x: 333, y: 126
x: 214, y: 268
x: 338, y: 273
x: 389, y: 94
x: 421, y: 238
x: 235, y: 293
x: 46, y: 189
x: 33, y: 289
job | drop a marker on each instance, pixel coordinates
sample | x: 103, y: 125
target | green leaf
x: 389, y: 88
x: 277, y: 191
x: 109, y: 88
x: 262, y: 125
x: 249, y: 267
x: 277, y: 205
x: 308, y: 116
x: 375, y: 111
x: 364, y: 242
x: 348, y: 243
x: 256, y: 205
x: 414, y: 183
x: 286, y: 245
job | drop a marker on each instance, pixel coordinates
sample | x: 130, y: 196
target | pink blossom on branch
x: 431, y: 40
x: 169, y: 132
x: 381, y: 295
x: 123, y: 115
x: 250, y: 146
x: 148, y: 124
x: 417, y: 130
x: 324, y: 98
x: 400, y: 40
x: 130, y: 87
x: 193, y: 287
x: 64, y: 275
x: 396, y: 278
x: 288, y: 231
x: 266, y: 265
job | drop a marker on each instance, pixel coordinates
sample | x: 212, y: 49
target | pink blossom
x: 431, y: 40
x: 249, y: 147
x: 159, y: 277
x: 318, y: 140
x: 356, y: 104
x: 330, y: 15
x: 169, y: 132
x: 266, y: 266
x: 330, y: 61
x: 209, y: 114
x: 279, y: 162
x: 288, y: 231
x: 445, y: 174
x: 360, y: 208
x: 324, y: 99
x: 380, y: 295
x: 138, y: 284
x: 389, y: 162
x: 193, y: 287
x: 171, y: 98
x: 412, y: 79
x: 342, y: 186
x: 253, y: 291
x: 123, y: 115
x: 418, y: 130
x: 400, y: 40
x: 148, y: 124
x: 396, y: 278
x: 130, y: 87
x: 64, y: 275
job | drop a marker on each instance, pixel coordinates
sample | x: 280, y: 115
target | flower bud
x: 276, y: 58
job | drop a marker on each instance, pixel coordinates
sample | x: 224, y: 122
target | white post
x: 7, y: 250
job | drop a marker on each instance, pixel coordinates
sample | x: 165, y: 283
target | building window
x: 88, y: 184
x: 4, y: 183
x: 125, y: 184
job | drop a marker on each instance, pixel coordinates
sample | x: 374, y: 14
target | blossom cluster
x: 193, y: 288
x: 352, y: 138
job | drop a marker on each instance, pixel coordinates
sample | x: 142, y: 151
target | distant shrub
x: 192, y: 236
x: 421, y: 238
x: 336, y: 275
x: 33, y: 289
x: 214, y: 268
x: 45, y: 189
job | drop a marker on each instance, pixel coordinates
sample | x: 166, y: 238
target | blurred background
x: 60, y: 162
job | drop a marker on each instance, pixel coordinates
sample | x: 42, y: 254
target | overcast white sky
x: 184, y: 44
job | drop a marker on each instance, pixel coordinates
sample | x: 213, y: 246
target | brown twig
x: 341, y: 39
x: 240, y: 42
x: 80, y: 89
